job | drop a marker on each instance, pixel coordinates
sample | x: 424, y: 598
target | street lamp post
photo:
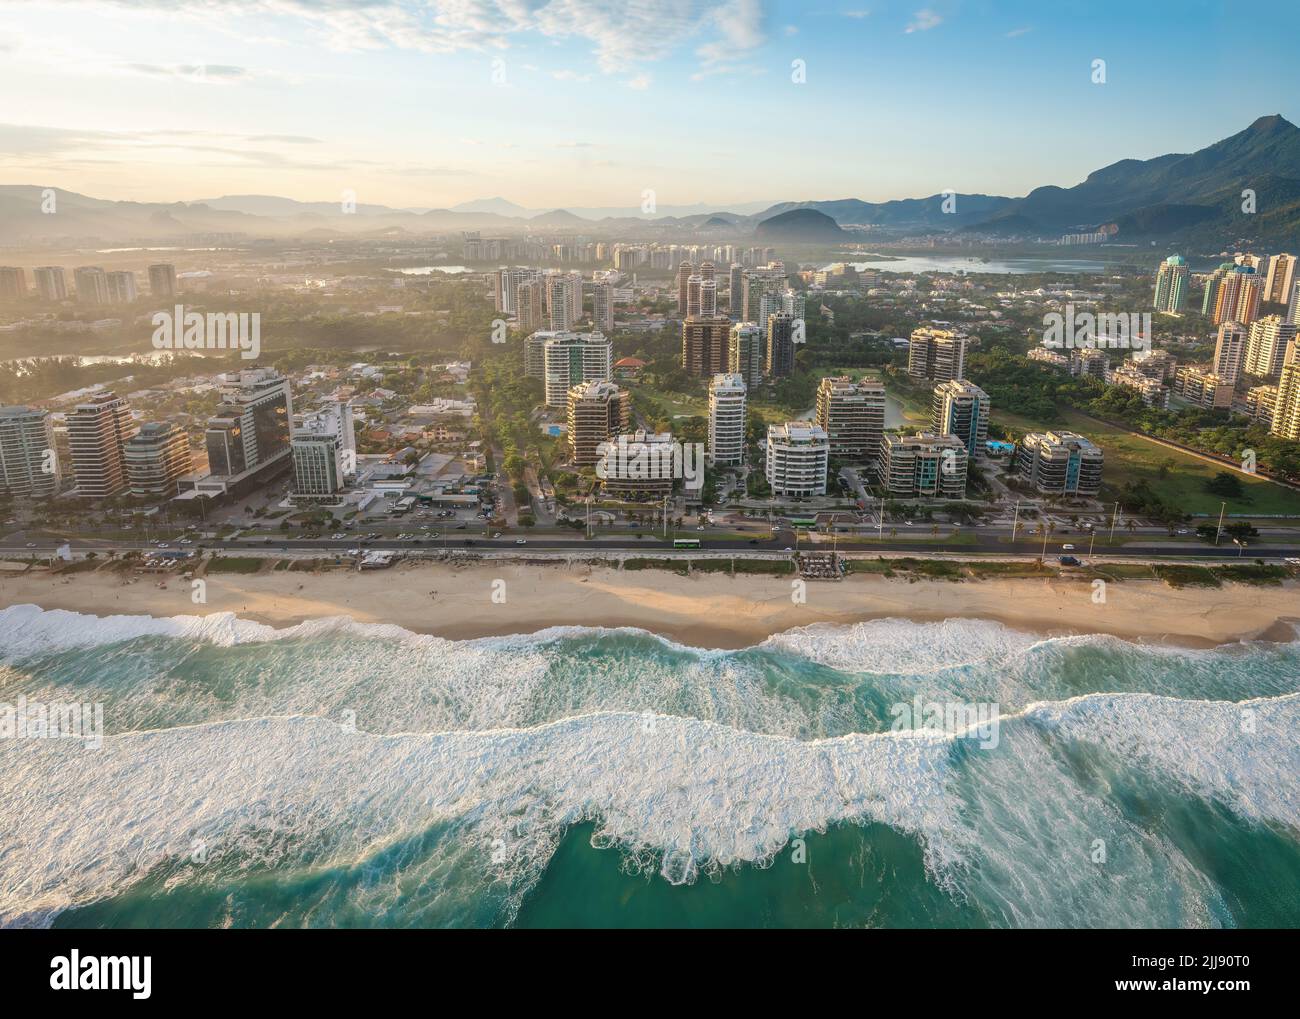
x: 1219, y: 533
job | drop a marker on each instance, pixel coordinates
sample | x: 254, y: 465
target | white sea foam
x: 1010, y: 828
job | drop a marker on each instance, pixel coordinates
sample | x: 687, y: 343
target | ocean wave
x: 1009, y: 826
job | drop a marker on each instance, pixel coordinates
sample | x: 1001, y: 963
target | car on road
x: 521, y: 541
x: 1067, y: 547
x: 496, y: 534
x: 1069, y: 560
x: 789, y: 549
x: 31, y: 544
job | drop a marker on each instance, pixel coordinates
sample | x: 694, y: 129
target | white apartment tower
x: 798, y: 454
x: 727, y: 419
x: 28, y: 464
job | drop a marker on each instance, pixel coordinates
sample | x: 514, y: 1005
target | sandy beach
x: 703, y: 610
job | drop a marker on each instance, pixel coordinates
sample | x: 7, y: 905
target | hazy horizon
x: 590, y: 103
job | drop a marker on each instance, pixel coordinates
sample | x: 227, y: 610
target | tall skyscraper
x: 1286, y: 406
x: 937, y: 354
x: 961, y: 408
x: 92, y: 284
x: 13, y: 282
x: 852, y: 414
x: 250, y: 428
x: 1266, y: 348
x: 746, y: 352
x: 97, y: 432
x: 571, y: 358
x: 598, y: 412
x: 1280, y: 279
x: 29, y: 467
x: 684, y: 273
x: 727, y: 419
x: 121, y: 287
x: 705, y: 345
x: 530, y: 300
x: 1172, y: 283
x: 602, y: 306
x: 736, y: 291
x: 162, y: 280
x: 155, y: 457
x: 560, y: 289
x: 780, y: 346
x: 1230, y: 351
x: 51, y: 282
x: 1238, y: 296
x: 756, y: 282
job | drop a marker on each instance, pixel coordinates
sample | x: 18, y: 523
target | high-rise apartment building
x: 324, y: 451
x: 29, y: 466
x: 705, y: 344
x: 1238, y: 296
x: 923, y: 465
x: 852, y: 414
x: 97, y: 432
x: 13, y: 282
x: 1286, y: 405
x: 1173, y: 280
x: 961, y: 408
x: 598, y: 412
x: 602, y: 306
x: 1060, y: 463
x: 780, y: 346
x: 570, y: 358
x: 1266, y: 349
x: 684, y: 273
x: 746, y: 352
x: 798, y: 454
x: 530, y: 304
x: 155, y: 457
x: 51, y: 282
x: 162, y: 280
x: 727, y: 394
x: 250, y: 428
x: 1230, y: 351
x: 121, y: 287
x: 937, y: 354
x: 1280, y: 279
x: 92, y: 284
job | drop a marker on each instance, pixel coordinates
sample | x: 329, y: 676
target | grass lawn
x: 235, y: 564
x: 1130, y: 457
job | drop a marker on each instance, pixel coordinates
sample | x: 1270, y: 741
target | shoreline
x: 466, y: 602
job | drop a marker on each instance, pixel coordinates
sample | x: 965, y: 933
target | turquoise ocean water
x: 334, y: 774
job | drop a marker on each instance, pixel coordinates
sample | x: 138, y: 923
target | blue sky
x: 589, y: 102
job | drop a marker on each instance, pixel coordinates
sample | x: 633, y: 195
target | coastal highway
x: 989, y: 546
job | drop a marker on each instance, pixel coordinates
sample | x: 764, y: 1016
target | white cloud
x: 622, y: 33
x: 923, y: 21
x: 1016, y: 33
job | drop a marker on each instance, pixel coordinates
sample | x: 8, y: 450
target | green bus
x: 686, y: 543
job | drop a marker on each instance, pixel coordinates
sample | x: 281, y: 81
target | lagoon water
x: 335, y: 774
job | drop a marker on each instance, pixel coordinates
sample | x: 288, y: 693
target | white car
x: 1067, y: 548
x: 521, y: 541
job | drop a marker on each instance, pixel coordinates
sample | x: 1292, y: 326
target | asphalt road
x: 986, y: 546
